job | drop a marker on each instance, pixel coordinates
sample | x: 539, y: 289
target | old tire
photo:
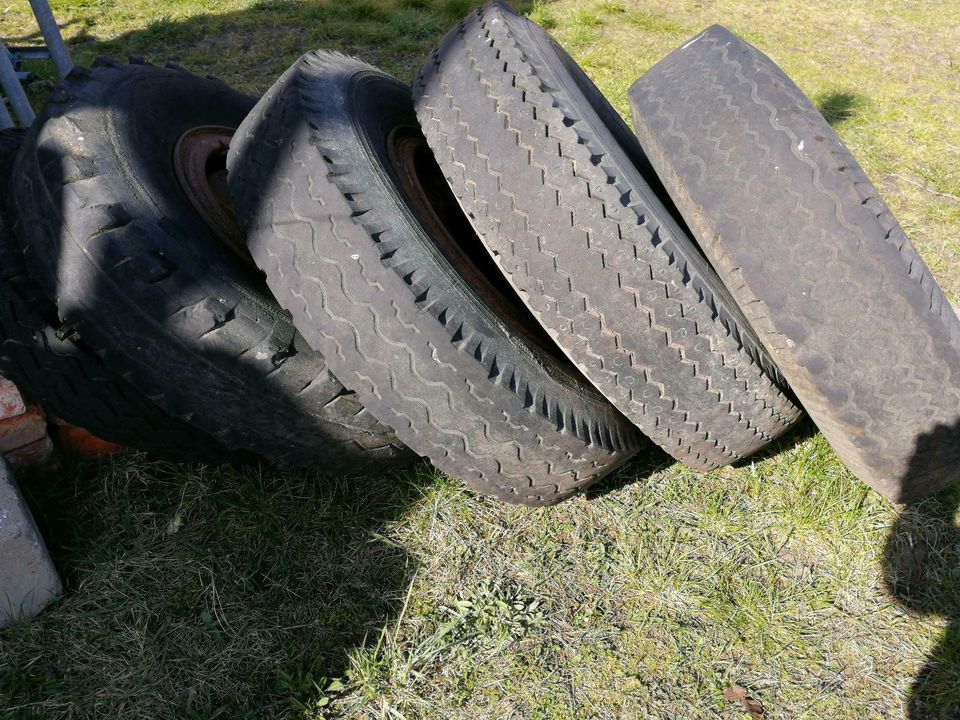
x: 546, y: 171
x: 109, y: 234
x: 431, y: 353
x: 51, y: 365
x: 826, y: 275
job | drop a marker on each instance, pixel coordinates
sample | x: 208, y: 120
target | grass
x: 212, y: 592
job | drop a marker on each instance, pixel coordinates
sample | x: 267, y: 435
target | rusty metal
x: 429, y: 197
x: 200, y: 163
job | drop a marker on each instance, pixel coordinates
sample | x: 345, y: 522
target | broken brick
x: 23, y: 429
x: 11, y: 402
x: 35, y: 453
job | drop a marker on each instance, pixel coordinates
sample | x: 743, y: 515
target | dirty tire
x: 68, y: 379
x: 546, y: 171
x: 345, y: 251
x: 824, y: 272
x: 108, y: 234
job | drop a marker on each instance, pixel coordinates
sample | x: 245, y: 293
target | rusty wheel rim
x: 425, y: 190
x: 200, y: 164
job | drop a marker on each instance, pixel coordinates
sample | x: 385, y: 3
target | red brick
x: 34, y: 453
x: 11, y: 402
x: 75, y: 439
x: 23, y: 429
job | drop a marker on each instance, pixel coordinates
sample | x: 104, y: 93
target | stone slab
x: 28, y: 580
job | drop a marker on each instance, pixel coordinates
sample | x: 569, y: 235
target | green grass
x: 203, y: 593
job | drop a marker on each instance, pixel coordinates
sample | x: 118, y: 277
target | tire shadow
x: 838, y: 105
x: 202, y: 592
x: 799, y: 433
x: 922, y: 571
x: 648, y: 461
x: 250, y: 48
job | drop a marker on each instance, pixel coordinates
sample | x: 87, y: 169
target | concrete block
x: 28, y: 580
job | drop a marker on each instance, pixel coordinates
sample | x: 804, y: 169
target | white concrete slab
x: 28, y: 580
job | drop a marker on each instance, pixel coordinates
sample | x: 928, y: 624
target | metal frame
x: 10, y: 79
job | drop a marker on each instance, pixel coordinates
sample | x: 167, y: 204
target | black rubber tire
x: 826, y: 275
x: 109, y: 234
x: 546, y: 171
x: 368, y: 285
x: 51, y: 366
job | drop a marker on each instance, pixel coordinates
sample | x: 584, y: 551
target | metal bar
x: 13, y: 88
x: 5, y: 120
x: 28, y: 53
x: 52, y: 36
x: 20, y: 54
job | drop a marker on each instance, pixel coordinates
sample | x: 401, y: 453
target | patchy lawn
x: 215, y: 593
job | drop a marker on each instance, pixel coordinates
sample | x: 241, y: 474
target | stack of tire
x: 487, y: 269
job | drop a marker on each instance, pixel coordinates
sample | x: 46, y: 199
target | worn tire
x: 108, y: 234
x: 542, y: 165
x: 826, y: 275
x: 367, y: 283
x: 546, y: 171
x: 51, y: 365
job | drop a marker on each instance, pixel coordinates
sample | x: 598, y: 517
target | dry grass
x: 205, y: 593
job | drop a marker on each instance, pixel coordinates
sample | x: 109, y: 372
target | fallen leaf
x: 174, y: 525
x: 738, y: 693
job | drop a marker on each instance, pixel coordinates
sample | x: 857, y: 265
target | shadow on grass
x: 648, y: 461
x: 250, y: 48
x: 195, y: 592
x: 838, y: 105
x: 922, y: 570
x: 796, y: 435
